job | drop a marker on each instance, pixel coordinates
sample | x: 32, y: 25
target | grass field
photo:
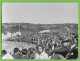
x: 9, y: 46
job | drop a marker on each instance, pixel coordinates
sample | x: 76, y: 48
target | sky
x: 40, y: 13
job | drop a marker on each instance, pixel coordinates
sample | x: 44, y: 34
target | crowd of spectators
x: 58, y: 46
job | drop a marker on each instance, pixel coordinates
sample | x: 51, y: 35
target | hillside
x: 14, y: 27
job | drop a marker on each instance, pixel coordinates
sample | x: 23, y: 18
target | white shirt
x: 43, y: 55
x: 7, y: 56
x: 53, y: 47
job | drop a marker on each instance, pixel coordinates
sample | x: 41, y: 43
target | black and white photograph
x: 44, y: 30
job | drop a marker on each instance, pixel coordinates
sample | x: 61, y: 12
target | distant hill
x: 29, y: 27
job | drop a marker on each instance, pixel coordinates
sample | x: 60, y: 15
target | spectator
x: 40, y: 53
x: 32, y: 55
x: 25, y: 54
x: 4, y: 52
x: 17, y: 54
x: 7, y: 56
x: 63, y: 50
